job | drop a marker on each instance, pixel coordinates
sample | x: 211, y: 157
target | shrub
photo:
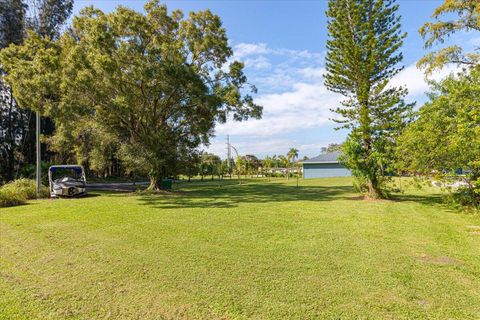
x: 9, y: 197
x: 18, y: 191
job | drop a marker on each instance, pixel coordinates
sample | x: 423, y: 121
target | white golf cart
x: 67, y: 181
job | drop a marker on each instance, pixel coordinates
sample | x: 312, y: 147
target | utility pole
x: 39, y: 165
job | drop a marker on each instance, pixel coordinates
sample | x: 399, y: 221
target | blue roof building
x: 324, y: 166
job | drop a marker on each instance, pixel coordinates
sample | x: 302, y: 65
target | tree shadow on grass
x: 428, y: 199
x: 228, y: 196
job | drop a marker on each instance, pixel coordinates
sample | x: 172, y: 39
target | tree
x: 292, y: 154
x: 51, y: 17
x: 267, y: 165
x: 17, y: 147
x: 284, y: 163
x: 446, y: 134
x: 251, y: 164
x: 468, y: 12
x: 334, y: 147
x: 362, y: 57
x: 190, y: 163
x: 12, y: 120
x: 209, y: 164
x: 12, y: 22
x: 240, y: 168
x: 157, y: 82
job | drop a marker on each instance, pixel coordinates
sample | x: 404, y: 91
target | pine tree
x: 363, y: 55
x: 12, y: 119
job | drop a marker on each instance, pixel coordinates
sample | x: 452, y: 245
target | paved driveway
x: 117, y: 186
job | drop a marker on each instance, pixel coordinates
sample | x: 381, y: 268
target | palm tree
x: 291, y: 156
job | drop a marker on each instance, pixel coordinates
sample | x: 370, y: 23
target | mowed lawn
x: 261, y: 250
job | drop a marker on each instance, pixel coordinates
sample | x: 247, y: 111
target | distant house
x: 324, y: 166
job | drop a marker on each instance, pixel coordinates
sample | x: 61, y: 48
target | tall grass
x: 19, y: 191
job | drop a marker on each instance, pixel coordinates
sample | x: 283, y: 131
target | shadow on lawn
x: 429, y: 199
x: 227, y: 196
x: 231, y: 195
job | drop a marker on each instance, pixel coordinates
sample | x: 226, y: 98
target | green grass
x: 262, y: 250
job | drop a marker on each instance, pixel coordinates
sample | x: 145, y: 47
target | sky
x: 283, y: 46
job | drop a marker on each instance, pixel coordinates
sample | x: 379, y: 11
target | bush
x: 18, y: 191
x: 9, y: 197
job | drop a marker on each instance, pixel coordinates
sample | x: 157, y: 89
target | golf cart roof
x: 66, y: 166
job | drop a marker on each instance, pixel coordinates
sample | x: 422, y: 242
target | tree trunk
x: 374, y: 191
x: 155, y: 183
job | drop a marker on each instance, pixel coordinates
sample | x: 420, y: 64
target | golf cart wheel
x: 71, y: 191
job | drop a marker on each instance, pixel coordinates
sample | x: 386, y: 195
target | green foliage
x: 17, y: 126
x: 12, y: 119
x: 365, y: 167
x: 240, y: 167
x: 446, y: 134
x: 334, y: 147
x: 19, y: 191
x: 209, y: 164
x: 10, y: 197
x: 52, y: 15
x: 363, y: 55
x: 12, y: 22
x: 468, y: 12
x: 157, y: 83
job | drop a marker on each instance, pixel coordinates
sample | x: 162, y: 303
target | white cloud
x: 474, y: 41
x: 414, y: 79
x: 258, y: 63
x: 294, y: 97
x: 313, y: 73
x: 242, y: 50
x: 247, y: 49
x: 305, y: 106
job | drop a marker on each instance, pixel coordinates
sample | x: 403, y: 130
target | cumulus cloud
x: 414, y: 79
x: 304, y: 106
x: 295, y: 99
x: 257, y: 63
x: 242, y: 50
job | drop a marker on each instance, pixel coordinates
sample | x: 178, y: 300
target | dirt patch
x: 474, y: 230
x: 424, y: 304
x: 368, y: 199
x: 441, y: 260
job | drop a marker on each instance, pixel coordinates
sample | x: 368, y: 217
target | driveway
x: 117, y: 186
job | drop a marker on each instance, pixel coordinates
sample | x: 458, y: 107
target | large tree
x: 437, y: 31
x: 446, y: 134
x: 363, y: 55
x: 157, y: 82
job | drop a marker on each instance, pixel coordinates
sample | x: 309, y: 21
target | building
x: 324, y: 166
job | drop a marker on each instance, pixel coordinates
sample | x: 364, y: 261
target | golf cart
x: 67, y: 181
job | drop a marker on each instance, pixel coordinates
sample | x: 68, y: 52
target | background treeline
x: 17, y: 125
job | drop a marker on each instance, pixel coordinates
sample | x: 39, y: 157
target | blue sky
x: 283, y: 46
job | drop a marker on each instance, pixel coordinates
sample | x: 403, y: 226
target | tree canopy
x: 436, y: 32
x: 155, y: 82
x: 446, y: 134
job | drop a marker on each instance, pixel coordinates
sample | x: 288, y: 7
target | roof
x: 331, y: 157
x: 66, y: 166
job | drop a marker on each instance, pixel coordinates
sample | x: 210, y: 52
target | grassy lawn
x: 262, y: 250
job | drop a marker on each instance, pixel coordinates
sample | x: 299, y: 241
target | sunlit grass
x: 257, y: 250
